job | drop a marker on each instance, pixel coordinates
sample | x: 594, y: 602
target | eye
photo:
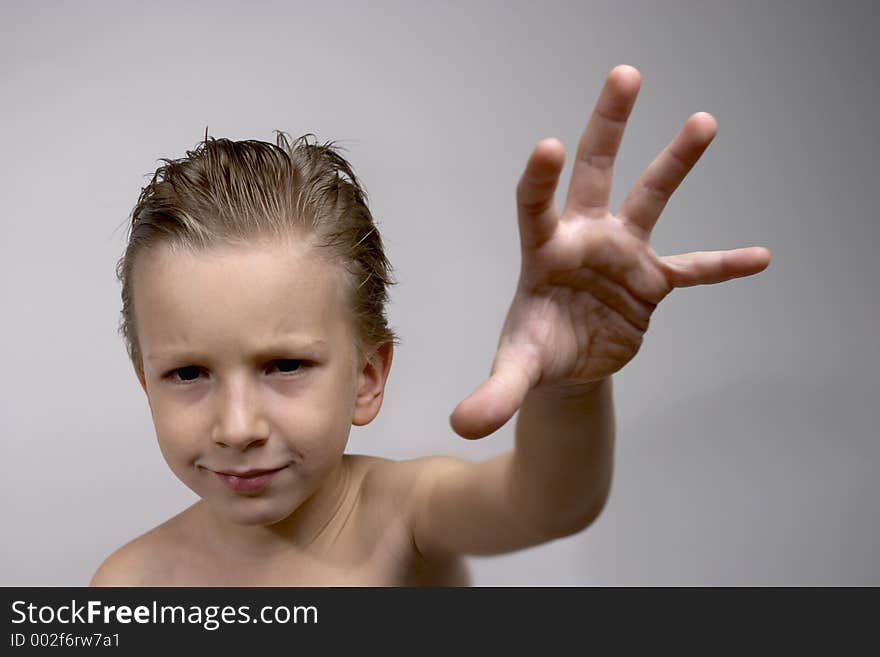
x: 288, y: 366
x: 186, y: 374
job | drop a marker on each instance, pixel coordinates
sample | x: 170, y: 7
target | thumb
x: 495, y: 401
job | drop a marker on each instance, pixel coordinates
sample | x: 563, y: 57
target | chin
x: 257, y: 512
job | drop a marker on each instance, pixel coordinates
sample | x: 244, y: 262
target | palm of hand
x: 584, y: 302
x: 589, y: 279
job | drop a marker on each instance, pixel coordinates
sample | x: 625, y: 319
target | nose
x: 240, y: 422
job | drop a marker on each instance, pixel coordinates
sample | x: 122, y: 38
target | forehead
x: 241, y: 294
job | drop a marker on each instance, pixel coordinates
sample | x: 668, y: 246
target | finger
x: 590, y: 186
x: 535, y: 193
x: 495, y: 401
x: 648, y: 197
x: 707, y: 267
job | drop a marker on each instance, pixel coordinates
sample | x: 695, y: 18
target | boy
x: 255, y: 325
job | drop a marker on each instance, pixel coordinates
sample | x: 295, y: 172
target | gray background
x: 747, y: 425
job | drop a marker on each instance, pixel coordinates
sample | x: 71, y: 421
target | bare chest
x: 387, y: 566
x: 387, y: 559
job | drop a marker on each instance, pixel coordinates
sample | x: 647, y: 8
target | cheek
x: 324, y: 410
x: 175, y: 430
x: 315, y: 439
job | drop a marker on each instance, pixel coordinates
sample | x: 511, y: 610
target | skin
x: 236, y: 379
x: 588, y: 285
x: 589, y: 279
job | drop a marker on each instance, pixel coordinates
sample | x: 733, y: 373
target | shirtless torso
x: 367, y: 542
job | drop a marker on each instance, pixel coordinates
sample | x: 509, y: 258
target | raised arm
x: 588, y: 284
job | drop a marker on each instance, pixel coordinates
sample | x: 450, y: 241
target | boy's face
x: 249, y: 364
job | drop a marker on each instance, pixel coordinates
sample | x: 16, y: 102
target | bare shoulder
x: 393, y: 491
x: 142, y: 561
x: 389, y: 491
x: 125, y: 567
x: 400, y: 490
x: 401, y: 480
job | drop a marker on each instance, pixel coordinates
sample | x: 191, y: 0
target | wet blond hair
x: 238, y: 192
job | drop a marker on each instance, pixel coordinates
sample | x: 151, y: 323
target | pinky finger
x: 707, y: 267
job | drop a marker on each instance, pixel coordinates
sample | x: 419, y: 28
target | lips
x: 248, y: 473
x: 251, y: 481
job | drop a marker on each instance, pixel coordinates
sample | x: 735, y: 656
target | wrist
x: 571, y: 390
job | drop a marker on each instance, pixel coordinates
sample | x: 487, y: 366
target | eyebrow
x: 264, y: 352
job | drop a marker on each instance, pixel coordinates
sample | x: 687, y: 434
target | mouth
x: 248, y: 473
x: 249, y: 480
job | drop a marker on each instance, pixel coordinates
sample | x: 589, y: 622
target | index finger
x: 590, y: 187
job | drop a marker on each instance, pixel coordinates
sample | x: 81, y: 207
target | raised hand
x: 589, y: 280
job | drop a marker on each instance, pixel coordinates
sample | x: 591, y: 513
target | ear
x: 371, y: 384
